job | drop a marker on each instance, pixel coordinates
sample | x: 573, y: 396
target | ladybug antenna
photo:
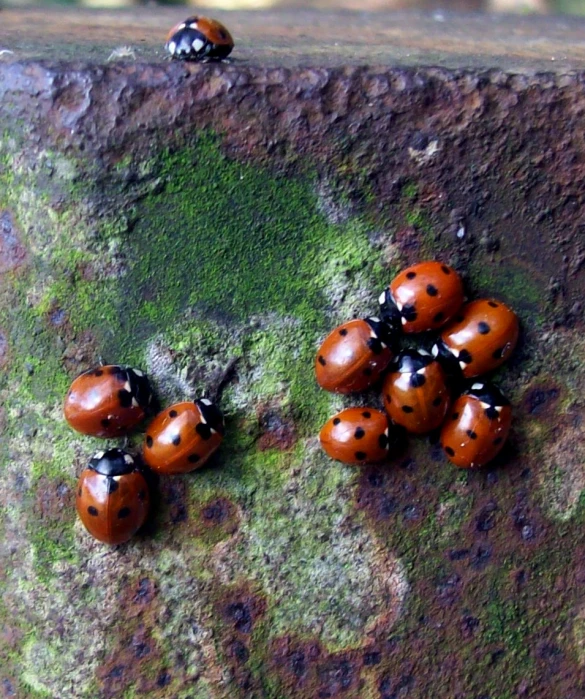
x: 224, y: 379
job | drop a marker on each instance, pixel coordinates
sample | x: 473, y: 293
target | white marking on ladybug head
x: 462, y: 365
x: 376, y: 320
x: 403, y: 321
x: 127, y: 387
x: 485, y: 406
x: 172, y: 47
x: 128, y: 459
x: 182, y: 25
x: 435, y: 350
x: 135, y: 403
x: 206, y: 401
x: 477, y: 386
x: 212, y: 430
x: 387, y: 432
x: 384, y: 345
x: 425, y: 353
x: 138, y: 372
x: 193, y: 25
x: 197, y: 45
x: 421, y: 371
x: 382, y: 298
x: 399, y: 305
x: 99, y: 454
x: 117, y: 478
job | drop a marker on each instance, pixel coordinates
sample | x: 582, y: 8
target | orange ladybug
x: 199, y: 39
x: 422, y: 297
x: 107, y: 401
x: 481, y: 338
x: 357, y: 436
x: 415, y: 392
x: 354, y: 355
x: 112, y: 497
x: 478, y: 426
x: 183, y: 437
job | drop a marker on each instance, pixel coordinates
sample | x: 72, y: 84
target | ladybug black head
x: 388, y: 310
x: 114, y: 462
x: 211, y: 414
x: 410, y: 361
x: 383, y: 332
x: 487, y: 393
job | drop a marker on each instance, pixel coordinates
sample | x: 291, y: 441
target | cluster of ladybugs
x: 418, y: 387
x: 110, y: 401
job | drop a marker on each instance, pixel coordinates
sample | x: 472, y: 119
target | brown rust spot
x: 540, y: 401
x: 277, y: 430
x: 13, y: 254
x: 54, y: 501
x: 216, y: 519
x: 137, y: 598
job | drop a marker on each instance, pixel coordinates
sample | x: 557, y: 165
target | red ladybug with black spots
x: 183, y: 437
x: 107, y: 401
x: 479, y: 339
x: 354, y: 355
x: 477, y: 427
x: 199, y: 39
x: 415, y: 392
x: 422, y: 297
x: 112, y: 496
x: 357, y: 436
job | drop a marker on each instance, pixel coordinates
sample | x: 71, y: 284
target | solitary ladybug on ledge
x: 422, y: 297
x: 112, y: 497
x: 477, y: 427
x: 183, y: 437
x: 415, y: 392
x: 354, y: 355
x: 107, y: 401
x: 479, y: 339
x: 357, y: 436
x: 199, y: 39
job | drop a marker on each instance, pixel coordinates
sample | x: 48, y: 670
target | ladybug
x: 199, y: 39
x: 478, y: 426
x: 357, y: 436
x: 112, y: 496
x: 479, y: 339
x: 107, y: 401
x: 415, y: 391
x: 354, y: 355
x: 183, y: 437
x: 422, y: 297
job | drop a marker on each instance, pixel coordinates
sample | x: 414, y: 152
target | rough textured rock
x: 176, y: 217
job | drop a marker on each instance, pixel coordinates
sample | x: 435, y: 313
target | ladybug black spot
x: 177, y: 440
x: 388, y: 398
x: 499, y: 353
x: 492, y: 304
x: 92, y: 511
x: 497, y: 440
x: 409, y: 312
x: 432, y: 290
x: 343, y: 332
x: 359, y: 433
x: 449, y: 451
x: 439, y: 317
x: 142, y: 495
x: 203, y: 430
x: 417, y: 380
x: 459, y: 318
x: 123, y: 513
x: 407, y: 409
x: 491, y: 413
x: 368, y: 371
x: 193, y: 458
x: 438, y: 400
x: 383, y: 441
x: 98, y: 372
x: 367, y: 415
x: 148, y: 440
x: 445, y: 269
x: 361, y: 455
x: 125, y: 398
x: 483, y: 328
x: 465, y: 357
x: 173, y: 413
x: 410, y: 275
x: 454, y: 416
x: 336, y: 421
x: 471, y: 434
x: 106, y: 422
x: 375, y: 344
x: 321, y: 360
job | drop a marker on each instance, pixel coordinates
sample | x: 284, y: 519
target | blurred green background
x: 514, y: 6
